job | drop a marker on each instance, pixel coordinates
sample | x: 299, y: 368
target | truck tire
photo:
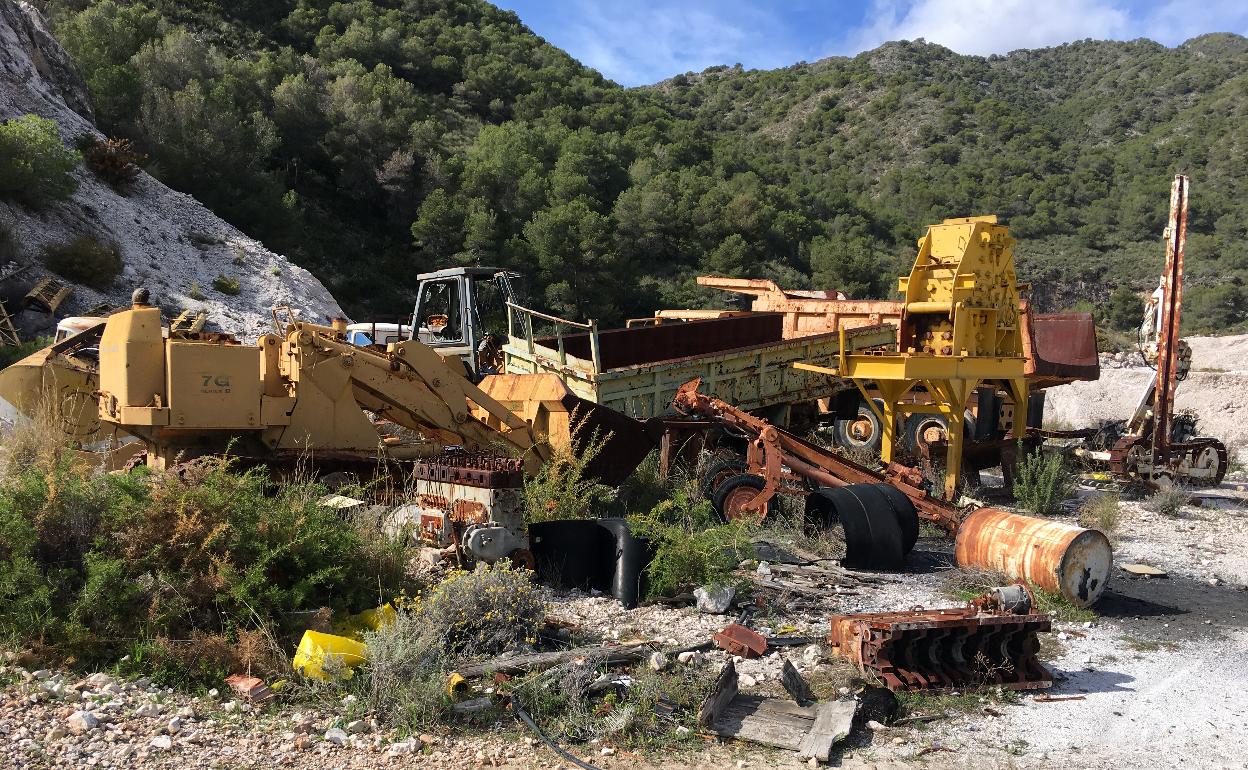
x: 918, y: 430
x: 718, y: 473
x: 874, y: 538
x: 861, y: 432
x: 735, y: 491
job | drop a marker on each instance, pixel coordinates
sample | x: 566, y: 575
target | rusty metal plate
x: 1062, y: 346
x: 945, y: 649
x: 736, y: 639
x: 620, y: 348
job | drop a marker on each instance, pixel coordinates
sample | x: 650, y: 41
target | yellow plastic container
x: 355, y: 625
x: 323, y: 656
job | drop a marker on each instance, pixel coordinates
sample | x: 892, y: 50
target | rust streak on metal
x: 944, y: 649
x: 1057, y: 557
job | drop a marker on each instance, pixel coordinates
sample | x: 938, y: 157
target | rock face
x: 168, y: 241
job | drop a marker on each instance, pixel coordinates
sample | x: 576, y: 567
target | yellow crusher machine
x: 960, y: 329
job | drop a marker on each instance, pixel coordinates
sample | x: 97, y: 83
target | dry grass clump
x: 1168, y: 501
x: 1102, y: 512
x: 486, y: 611
x: 406, y: 674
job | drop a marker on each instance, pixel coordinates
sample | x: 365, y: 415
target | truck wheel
x: 861, y: 432
x: 718, y: 473
x: 923, y: 430
x: 732, y: 495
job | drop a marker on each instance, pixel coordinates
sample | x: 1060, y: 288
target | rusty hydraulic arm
x: 788, y: 464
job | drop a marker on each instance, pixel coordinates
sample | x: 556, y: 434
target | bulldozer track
x: 1122, y: 460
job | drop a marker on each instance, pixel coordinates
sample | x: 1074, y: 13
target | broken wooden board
x: 536, y: 661
x: 811, y: 731
x: 1143, y: 570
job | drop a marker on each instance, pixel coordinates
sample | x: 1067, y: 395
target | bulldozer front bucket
x: 565, y: 419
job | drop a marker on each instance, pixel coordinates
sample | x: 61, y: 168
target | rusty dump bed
x: 746, y: 360
x: 622, y: 348
x: 1060, y: 348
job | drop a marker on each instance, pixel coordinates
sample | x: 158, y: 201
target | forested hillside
x: 375, y: 139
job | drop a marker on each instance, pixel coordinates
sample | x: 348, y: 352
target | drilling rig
x: 1155, y: 446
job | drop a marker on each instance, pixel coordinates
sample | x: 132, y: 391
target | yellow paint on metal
x: 960, y: 326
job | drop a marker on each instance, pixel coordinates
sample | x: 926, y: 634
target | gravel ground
x: 1161, y: 670
x: 1216, y: 390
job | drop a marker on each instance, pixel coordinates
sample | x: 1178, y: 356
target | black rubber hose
x: 519, y: 711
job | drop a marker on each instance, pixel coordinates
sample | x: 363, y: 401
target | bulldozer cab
x: 462, y: 311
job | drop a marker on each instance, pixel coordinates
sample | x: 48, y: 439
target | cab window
x: 440, y: 311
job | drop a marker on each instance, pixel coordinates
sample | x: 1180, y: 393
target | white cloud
x: 643, y: 42
x: 982, y: 27
x: 1178, y: 20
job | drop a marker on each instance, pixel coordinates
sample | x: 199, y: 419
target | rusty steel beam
x: 1171, y: 311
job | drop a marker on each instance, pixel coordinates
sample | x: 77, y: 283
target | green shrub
x: 194, y: 292
x: 113, y: 160
x: 84, y: 260
x: 561, y: 489
x: 92, y: 565
x: 1042, y: 482
x: 489, y: 610
x: 11, y: 354
x: 691, y: 547
x: 35, y: 164
x: 226, y: 285
x: 405, y: 679
x: 1168, y: 501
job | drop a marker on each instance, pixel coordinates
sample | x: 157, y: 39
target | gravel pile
x: 168, y: 241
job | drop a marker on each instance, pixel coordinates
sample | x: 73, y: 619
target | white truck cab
x: 462, y: 311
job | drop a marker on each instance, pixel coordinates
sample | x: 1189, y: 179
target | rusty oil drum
x: 1057, y: 557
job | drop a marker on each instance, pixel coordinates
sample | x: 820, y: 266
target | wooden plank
x: 832, y: 724
x: 517, y: 664
x: 753, y: 718
x: 795, y: 685
x: 719, y: 699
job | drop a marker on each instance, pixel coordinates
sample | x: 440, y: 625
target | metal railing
x: 524, y: 317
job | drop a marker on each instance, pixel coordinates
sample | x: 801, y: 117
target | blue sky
x: 636, y: 42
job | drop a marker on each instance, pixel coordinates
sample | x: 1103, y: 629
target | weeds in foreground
x: 921, y: 702
x: 562, y: 488
x: 582, y: 701
x: 1059, y: 607
x: 405, y: 680
x: 968, y: 583
x: 1146, y: 645
x: 691, y: 547
x: 183, y: 569
x: 1168, y: 501
x: 1102, y: 512
x: 1042, y: 483
x: 486, y: 611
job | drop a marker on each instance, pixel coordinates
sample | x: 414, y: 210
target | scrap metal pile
x: 991, y: 642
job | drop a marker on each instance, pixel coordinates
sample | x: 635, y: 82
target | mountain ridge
x: 387, y: 137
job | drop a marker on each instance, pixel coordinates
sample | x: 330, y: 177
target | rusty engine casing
x: 472, y: 504
x: 944, y: 649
